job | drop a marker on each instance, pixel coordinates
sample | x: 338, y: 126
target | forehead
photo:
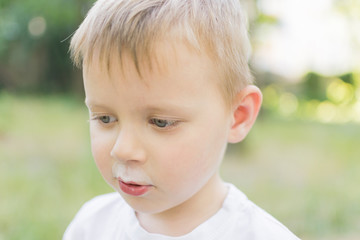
x: 175, y: 72
x: 166, y: 58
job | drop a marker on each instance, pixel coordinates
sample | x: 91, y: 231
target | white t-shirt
x: 109, y: 217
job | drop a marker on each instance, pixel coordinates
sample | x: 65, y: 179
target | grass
x: 305, y: 174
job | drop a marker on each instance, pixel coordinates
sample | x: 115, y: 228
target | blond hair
x: 215, y: 27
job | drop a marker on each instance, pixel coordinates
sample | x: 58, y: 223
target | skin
x: 167, y: 129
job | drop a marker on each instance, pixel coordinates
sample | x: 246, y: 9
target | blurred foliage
x: 318, y: 98
x: 315, y: 97
x: 33, y: 53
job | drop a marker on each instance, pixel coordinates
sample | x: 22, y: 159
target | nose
x: 128, y: 147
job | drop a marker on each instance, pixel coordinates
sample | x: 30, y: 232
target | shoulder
x: 252, y: 222
x: 96, y: 215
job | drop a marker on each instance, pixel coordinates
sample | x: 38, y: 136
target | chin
x: 146, y: 206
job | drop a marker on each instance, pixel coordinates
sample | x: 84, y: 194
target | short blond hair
x: 215, y: 27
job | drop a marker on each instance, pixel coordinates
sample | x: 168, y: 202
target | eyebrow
x: 160, y: 108
x: 167, y: 107
x: 91, y: 105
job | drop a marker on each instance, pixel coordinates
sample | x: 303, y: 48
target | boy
x: 167, y: 86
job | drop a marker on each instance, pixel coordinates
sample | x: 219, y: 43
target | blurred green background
x: 301, y: 162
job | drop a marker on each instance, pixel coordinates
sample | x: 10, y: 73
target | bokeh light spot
x: 37, y: 26
x: 288, y: 104
x: 326, y: 111
x: 339, y: 91
x: 271, y: 98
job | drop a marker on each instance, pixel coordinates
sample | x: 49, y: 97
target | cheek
x: 191, y: 156
x: 101, y: 148
x: 98, y: 152
x: 207, y: 150
x: 101, y: 143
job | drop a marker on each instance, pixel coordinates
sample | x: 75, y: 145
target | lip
x: 134, y: 189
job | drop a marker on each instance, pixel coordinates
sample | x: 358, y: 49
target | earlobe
x: 246, y: 106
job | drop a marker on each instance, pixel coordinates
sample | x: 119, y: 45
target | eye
x: 162, y: 123
x: 105, y: 119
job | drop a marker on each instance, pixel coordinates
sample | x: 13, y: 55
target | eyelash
x: 100, y: 119
x: 168, y: 123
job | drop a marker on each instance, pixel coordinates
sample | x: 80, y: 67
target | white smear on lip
x: 128, y: 174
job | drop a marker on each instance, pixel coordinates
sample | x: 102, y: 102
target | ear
x: 245, y: 108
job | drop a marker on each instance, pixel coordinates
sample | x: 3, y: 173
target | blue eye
x: 105, y: 119
x: 161, y: 123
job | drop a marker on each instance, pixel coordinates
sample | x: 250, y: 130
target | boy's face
x: 158, y: 140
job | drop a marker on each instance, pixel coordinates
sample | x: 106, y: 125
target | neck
x: 185, y: 217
